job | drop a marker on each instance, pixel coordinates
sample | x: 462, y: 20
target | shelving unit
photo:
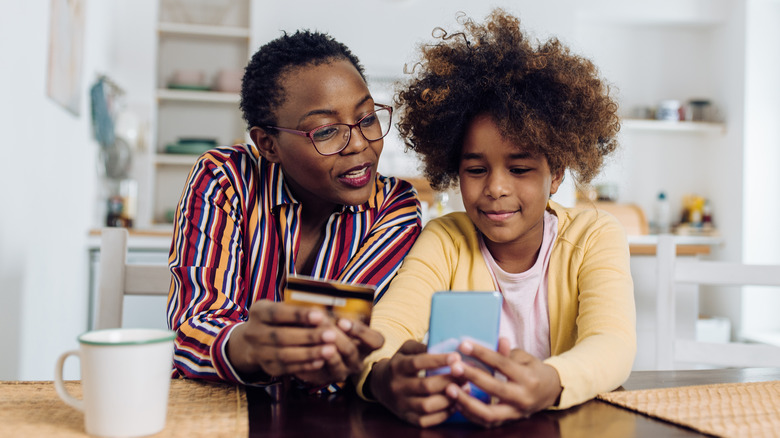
x: 672, y: 126
x: 192, y: 38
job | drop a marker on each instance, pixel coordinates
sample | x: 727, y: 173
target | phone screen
x: 460, y: 316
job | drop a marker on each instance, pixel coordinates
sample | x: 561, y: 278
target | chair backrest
x: 118, y: 278
x: 673, y: 271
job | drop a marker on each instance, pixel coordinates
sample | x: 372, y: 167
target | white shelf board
x: 185, y: 29
x: 175, y: 159
x: 674, y: 126
x: 197, y: 96
x: 765, y: 337
x: 663, y: 13
x: 652, y: 239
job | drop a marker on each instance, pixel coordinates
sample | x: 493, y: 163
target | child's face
x: 317, y: 95
x: 505, y: 189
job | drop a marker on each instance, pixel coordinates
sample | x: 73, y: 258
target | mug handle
x: 60, y: 386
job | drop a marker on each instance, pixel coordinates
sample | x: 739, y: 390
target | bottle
x: 662, y: 214
x: 440, y: 205
x: 706, y: 215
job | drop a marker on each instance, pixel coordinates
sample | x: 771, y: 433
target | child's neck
x: 517, y: 256
x: 517, y: 263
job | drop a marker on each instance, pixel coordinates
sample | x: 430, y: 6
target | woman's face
x: 504, y: 188
x: 315, y: 95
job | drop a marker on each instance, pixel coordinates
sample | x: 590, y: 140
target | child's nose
x: 496, y: 186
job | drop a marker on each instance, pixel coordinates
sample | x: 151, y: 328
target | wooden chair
x: 118, y: 278
x: 673, y: 271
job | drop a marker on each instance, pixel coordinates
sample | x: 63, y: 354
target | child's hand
x: 396, y: 383
x: 530, y: 387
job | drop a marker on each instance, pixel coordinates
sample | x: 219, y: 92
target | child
x: 305, y: 198
x: 504, y: 119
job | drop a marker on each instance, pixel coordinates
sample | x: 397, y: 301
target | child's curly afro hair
x: 541, y: 96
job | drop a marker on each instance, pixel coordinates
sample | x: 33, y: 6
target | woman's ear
x: 265, y: 143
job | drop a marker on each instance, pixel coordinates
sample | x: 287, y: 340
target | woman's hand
x: 531, y: 385
x: 358, y: 343
x: 396, y: 383
x: 280, y: 339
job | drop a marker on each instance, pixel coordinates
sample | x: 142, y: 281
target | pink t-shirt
x: 525, y: 319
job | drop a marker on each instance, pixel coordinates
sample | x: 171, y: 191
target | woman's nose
x: 356, y: 143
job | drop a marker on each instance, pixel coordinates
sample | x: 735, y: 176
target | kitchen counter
x: 159, y: 239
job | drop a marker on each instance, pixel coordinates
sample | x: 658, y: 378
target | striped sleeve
x: 207, y: 295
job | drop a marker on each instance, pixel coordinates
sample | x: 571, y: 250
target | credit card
x: 338, y: 299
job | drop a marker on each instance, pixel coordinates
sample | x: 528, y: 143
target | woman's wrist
x: 235, y: 350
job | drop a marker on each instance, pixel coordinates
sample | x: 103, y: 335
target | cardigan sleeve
x: 597, y: 314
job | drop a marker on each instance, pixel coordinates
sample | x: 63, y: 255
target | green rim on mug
x: 126, y: 336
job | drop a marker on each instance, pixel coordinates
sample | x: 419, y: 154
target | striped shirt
x: 236, y: 237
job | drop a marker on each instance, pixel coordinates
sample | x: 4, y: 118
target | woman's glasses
x: 332, y: 138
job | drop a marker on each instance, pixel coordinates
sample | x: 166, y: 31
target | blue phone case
x: 459, y: 316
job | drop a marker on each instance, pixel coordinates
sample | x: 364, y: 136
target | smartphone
x: 460, y: 316
x: 338, y: 299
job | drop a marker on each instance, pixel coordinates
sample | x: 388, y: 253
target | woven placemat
x: 195, y: 409
x: 726, y: 410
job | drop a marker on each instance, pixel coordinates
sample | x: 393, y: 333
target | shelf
x: 164, y: 94
x: 175, y: 159
x: 663, y: 13
x: 771, y: 337
x: 184, y: 29
x: 674, y: 126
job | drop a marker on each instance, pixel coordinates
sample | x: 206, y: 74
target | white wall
x: 47, y: 199
x: 50, y: 184
x: 762, y: 157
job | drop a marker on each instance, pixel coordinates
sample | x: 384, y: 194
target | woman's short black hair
x: 261, y: 91
x: 541, y: 96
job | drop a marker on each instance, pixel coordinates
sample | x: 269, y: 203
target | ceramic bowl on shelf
x: 193, y: 146
x: 188, y: 80
x: 228, y: 80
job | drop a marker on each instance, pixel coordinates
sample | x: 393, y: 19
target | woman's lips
x: 357, y: 176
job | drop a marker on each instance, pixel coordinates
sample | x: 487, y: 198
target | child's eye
x: 519, y: 171
x: 475, y: 170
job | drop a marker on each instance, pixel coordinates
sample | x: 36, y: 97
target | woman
x: 306, y: 199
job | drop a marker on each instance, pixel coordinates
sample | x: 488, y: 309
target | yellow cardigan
x: 590, y: 296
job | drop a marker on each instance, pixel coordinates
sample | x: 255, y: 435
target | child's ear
x: 265, y: 143
x: 557, y: 179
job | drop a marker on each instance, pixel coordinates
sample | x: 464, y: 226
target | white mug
x: 125, y: 377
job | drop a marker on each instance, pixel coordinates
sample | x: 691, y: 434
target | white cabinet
x: 202, y: 49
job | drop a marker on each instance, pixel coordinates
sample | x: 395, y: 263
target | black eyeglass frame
x: 310, y: 133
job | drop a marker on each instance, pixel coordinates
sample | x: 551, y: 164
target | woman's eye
x: 324, y: 133
x: 368, y: 120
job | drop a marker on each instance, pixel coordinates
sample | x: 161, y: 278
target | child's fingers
x: 487, y: 415
x: 425, y: 418
x: 504, y: 347
x: 488, y: 383
x: 424, y: 386
x: 487, y: 356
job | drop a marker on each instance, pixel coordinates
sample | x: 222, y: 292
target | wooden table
x: 301, y: 415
